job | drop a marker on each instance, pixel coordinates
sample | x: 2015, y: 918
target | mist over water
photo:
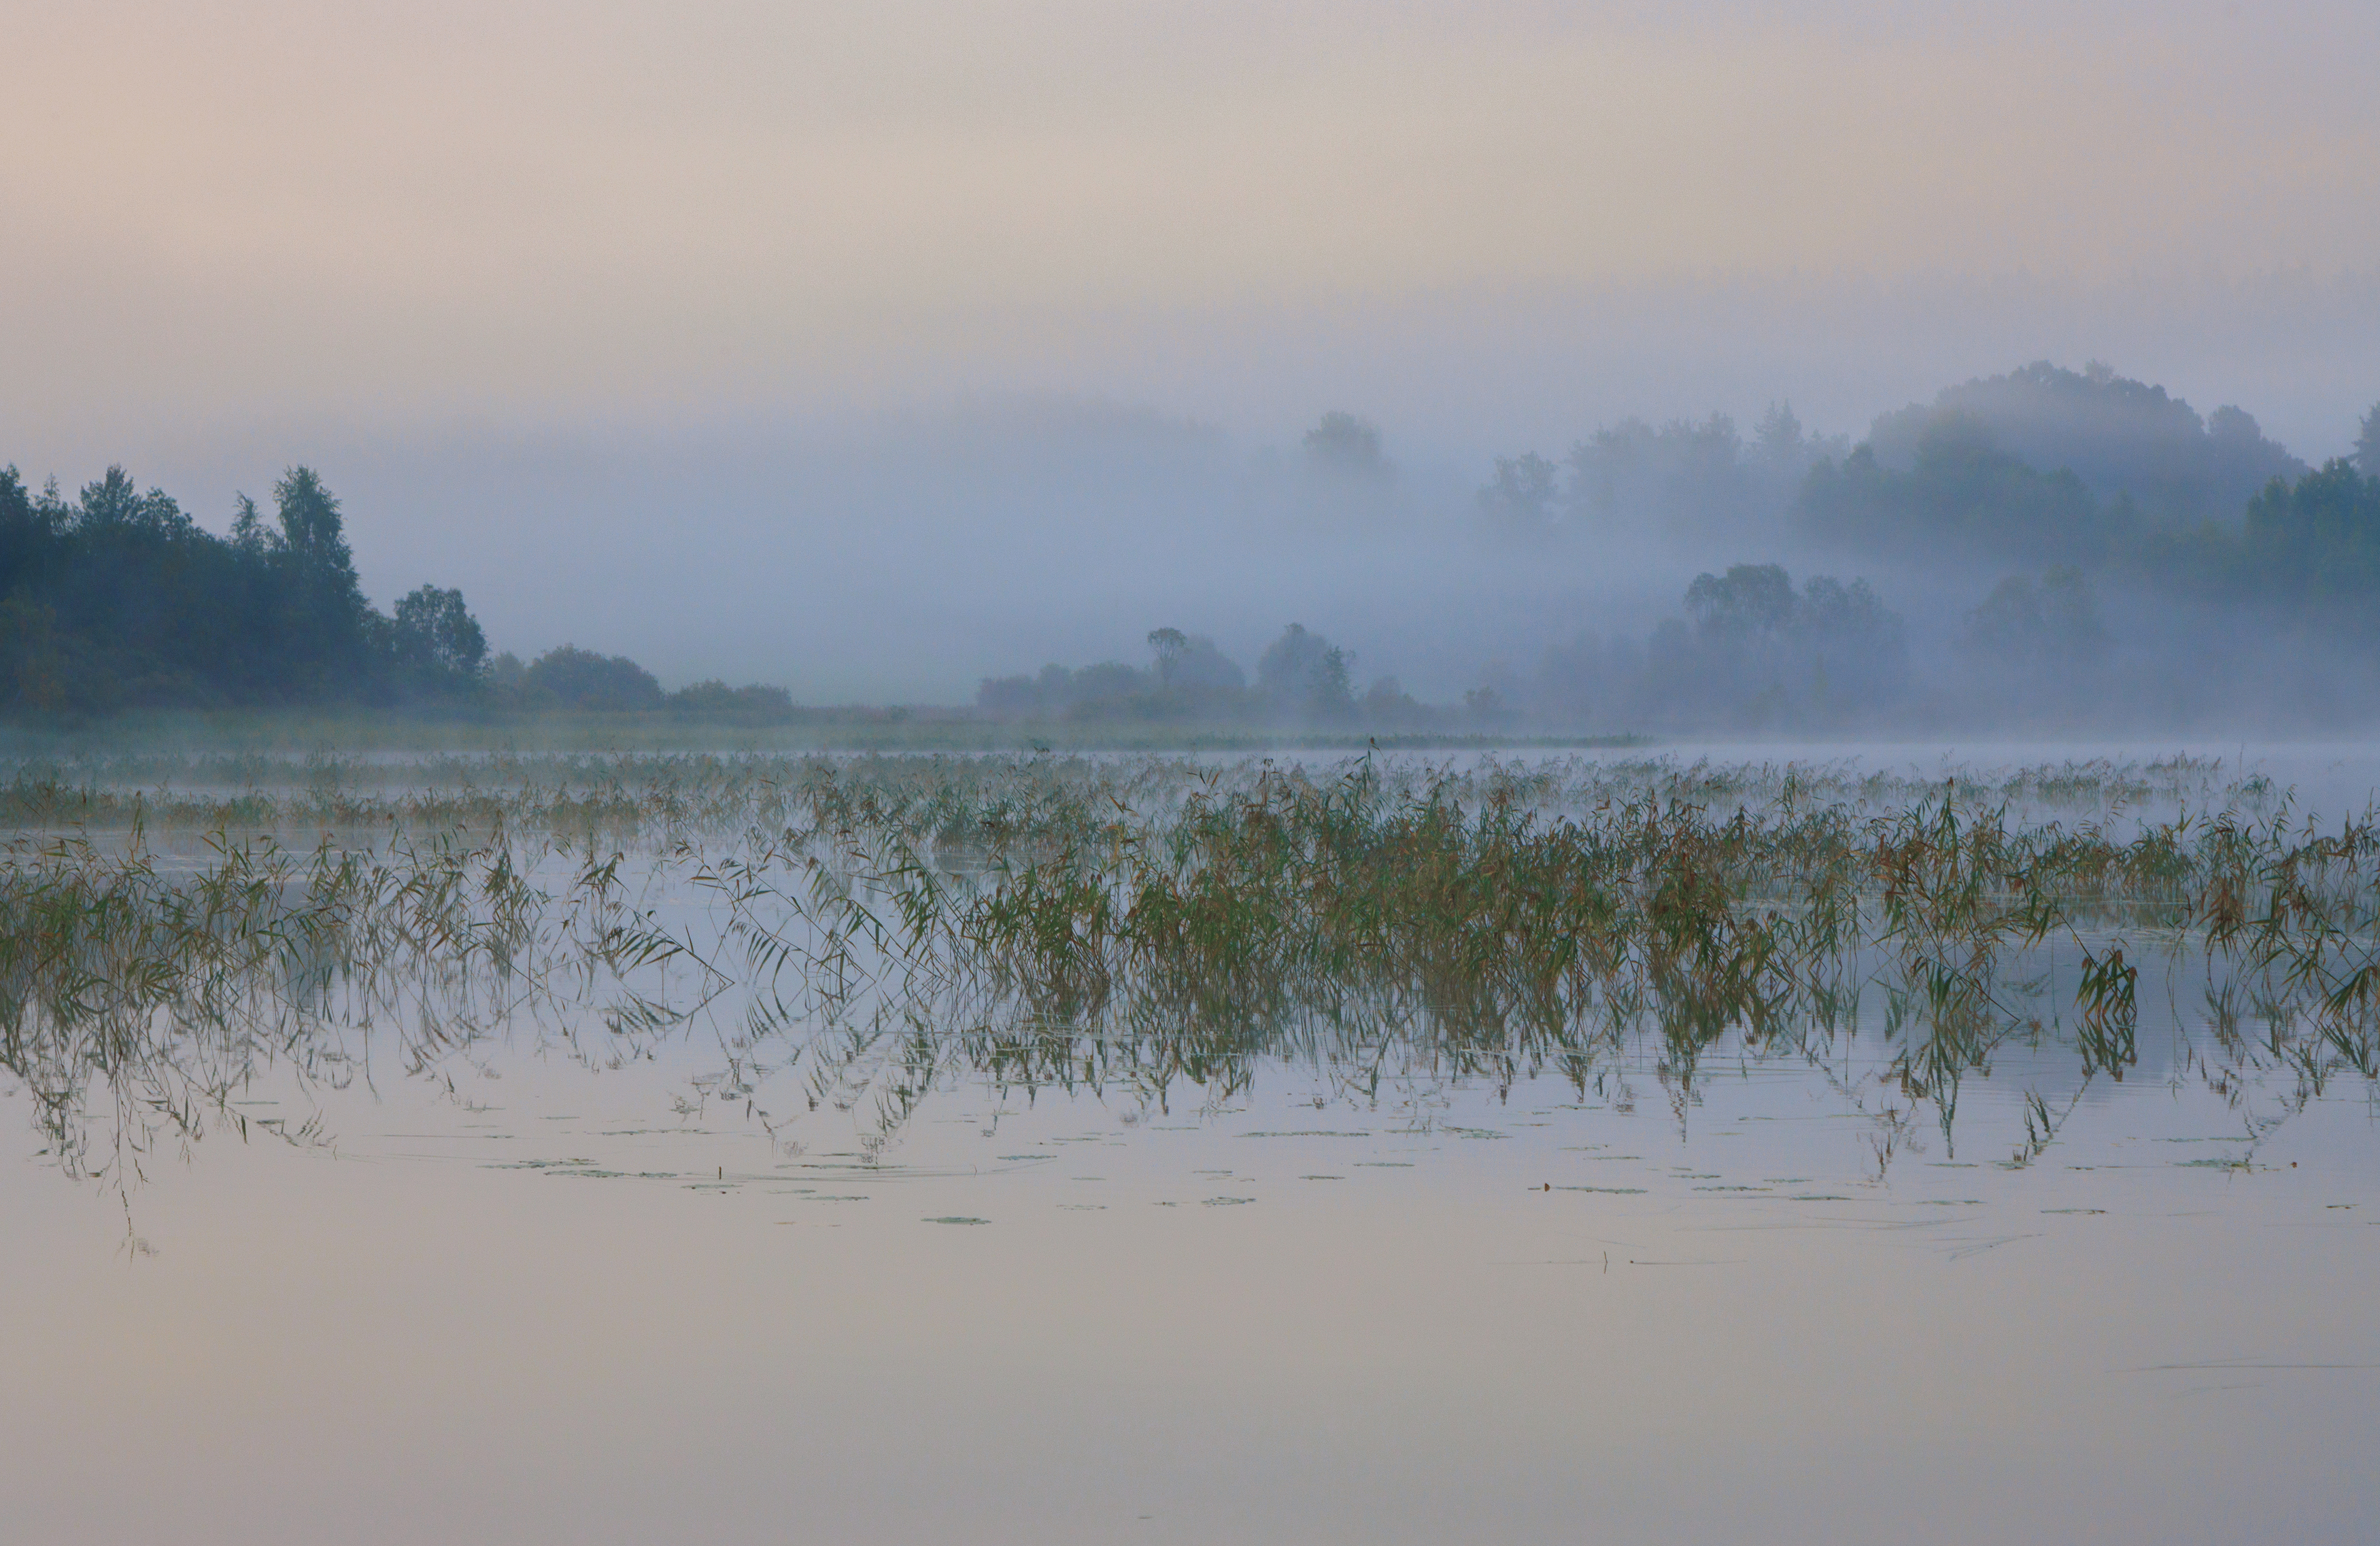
x: 905, y: 556
x: 1055, y: 500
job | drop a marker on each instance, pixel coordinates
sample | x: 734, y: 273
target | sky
x: 238, y: 235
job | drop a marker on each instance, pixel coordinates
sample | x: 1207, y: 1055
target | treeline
x: 1750, y: 651
x: 118, y: 600
x: 2237, y: 573
x: 2112, y: 478
x: 1998, y: 463
x: 2119, y: 438
x: 1302, y: 679
x: 2041, y: 467
x: 1690, y: 479
x: 2303, y: 538
x: 584, y: 682
x: 1753, y: 653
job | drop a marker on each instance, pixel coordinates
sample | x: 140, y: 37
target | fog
x: 878, y: 353
x: 906, y: 557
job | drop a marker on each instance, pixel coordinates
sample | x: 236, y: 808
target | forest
x: 119, y: 600
x: 2044, y: 547
x: 2079, y: 548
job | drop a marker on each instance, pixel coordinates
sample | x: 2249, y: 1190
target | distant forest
x: 119, y: 600
x: 2134, y: 558
x: 2077, y: 548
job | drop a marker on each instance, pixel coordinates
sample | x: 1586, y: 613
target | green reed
x: 1148, y: 923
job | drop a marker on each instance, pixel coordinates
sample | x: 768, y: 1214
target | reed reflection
x: 1155, y: 934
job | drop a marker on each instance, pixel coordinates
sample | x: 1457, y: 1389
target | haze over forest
x: 877, y: 354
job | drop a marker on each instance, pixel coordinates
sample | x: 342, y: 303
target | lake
x: 978, y: 1241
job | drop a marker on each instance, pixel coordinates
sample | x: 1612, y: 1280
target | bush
x: 569, y: 677
x: 751, y: 704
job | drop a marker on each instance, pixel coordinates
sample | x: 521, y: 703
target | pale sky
x: 548, y: 208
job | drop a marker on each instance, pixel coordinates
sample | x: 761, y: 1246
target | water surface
x: 514, y: 1292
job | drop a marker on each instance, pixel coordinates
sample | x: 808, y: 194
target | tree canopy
x: 1963, y: 498
x: 2118, y: 436
x: 120, y: 599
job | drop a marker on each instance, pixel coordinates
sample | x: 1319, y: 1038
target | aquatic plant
x: 1148, y: 925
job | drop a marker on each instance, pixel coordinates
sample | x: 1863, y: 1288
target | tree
x: 575, y: 678
x: 1965, y: 497
x: 248, y: 533
x: 312, y: 533
x: 1751, y: 601
x: 1304, y: 673
x: 751, y: 705
x: 1608, y: 469
x: 1288, y: 664
x: 435, y: 631
x: 324, y: 624
x: 1189, y: 665
x: 1171, y: 645
x: 127, y: 601
x: 1332, y: 693
x: 2367, y: 444
x: 1107, y: 682
x: 2317, y: 541
x: 1779, y: 436
x: 1387, y: 705
x: 27, y: 541
x: 1346, y: 446
x: 2117, y: 436
x: 1754, y: 651
x: 1855, y: 641
x: 114, y: 504
x: 1695, y: 479
x: 2022, y: 627
x: 1519, y: 500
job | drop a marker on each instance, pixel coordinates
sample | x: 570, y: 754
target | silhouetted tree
x: 1190, y: 666
x: 121, y: 599
x: 1691, y: 479
x: 436, y: 633
x: 1171, y: 645
x: 1778, y: 436
x: 2318, y: 542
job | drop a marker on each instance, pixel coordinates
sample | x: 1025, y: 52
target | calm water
x: 515, y: 1297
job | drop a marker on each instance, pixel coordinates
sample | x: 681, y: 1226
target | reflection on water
x: 1527, y: 1153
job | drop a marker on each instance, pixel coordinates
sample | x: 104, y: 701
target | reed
x: 1152, y: 924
